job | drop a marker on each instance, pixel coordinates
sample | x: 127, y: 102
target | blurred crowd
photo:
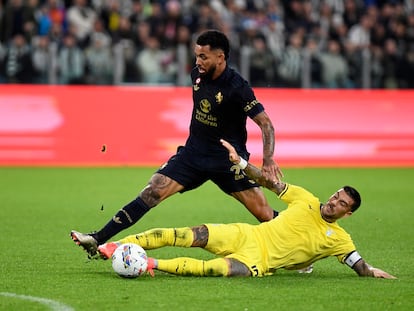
x: 275, y: 43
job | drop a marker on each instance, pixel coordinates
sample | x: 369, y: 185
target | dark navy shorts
x: 192, y: 170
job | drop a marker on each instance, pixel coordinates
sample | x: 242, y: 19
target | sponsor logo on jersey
x: 205, y: 106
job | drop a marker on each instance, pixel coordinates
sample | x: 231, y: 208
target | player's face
x: 338, y: 206
x: 207, y: 60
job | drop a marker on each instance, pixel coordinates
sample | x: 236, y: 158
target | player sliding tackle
x: 305, y: 232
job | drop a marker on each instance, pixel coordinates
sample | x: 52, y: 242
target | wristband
x: 353, y: 258
x: 242, y: 164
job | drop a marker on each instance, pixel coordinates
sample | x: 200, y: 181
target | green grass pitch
x: 42, y: 269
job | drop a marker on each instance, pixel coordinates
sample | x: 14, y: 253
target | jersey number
x: 238, y: 173
x: 255, y: 271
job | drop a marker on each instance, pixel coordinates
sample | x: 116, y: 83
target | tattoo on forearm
x: 255, y: 173
x: 268, y: 135
x: 362, y: 268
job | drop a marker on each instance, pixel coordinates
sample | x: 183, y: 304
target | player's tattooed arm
x: 270, y: 168
x: 364, y: 269
x: 256, y: 174
x: 268, y: 135
x: 253, y: 172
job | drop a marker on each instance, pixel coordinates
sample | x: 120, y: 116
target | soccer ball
x: 129, y: 260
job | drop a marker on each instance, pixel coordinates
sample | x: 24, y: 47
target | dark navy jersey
x: 220, y: 110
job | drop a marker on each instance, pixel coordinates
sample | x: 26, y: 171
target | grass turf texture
x: 39, y: 207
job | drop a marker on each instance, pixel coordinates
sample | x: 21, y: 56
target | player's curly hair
x: 216, y: 40
x: 354, y: 194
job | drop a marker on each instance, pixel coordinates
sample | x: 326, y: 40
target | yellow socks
x: 183, y: 237
x: 195, y: 267
x: 160, y: 237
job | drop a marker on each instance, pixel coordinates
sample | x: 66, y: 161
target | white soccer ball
x: 129, y: 260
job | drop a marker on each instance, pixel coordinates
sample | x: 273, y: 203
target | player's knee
x: 150, y: 196
x: 255, y: 201
x: 238, y: 268
x: 267, y: 214
x: 159, y: 188
x: 200, y: 236
x: 263, y: 212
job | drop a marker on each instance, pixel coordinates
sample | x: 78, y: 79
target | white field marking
x: 53, y: 305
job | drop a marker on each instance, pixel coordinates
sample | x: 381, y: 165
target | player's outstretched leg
x: 151, y: 239
x: 160, y: 237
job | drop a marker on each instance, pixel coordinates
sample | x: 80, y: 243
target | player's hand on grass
x: 233, y: 155
x: 378, y: 273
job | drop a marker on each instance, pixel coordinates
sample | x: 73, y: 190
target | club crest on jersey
x: 205, y: 106
x: 329, y: 232
x: 195, y: 86
x: 219, y: 98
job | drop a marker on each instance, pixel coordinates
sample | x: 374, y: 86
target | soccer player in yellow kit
x: 302, y: 234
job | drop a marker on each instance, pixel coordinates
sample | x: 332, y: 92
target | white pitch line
x: 53, y: 305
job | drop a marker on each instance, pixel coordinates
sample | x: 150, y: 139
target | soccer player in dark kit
x: 222, y: 102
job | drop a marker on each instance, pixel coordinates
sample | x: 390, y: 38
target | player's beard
x: 209, y: 73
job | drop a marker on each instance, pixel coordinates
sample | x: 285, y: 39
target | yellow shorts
x: 236, y: 241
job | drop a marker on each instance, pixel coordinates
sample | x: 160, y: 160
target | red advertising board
x: 71, y: 125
